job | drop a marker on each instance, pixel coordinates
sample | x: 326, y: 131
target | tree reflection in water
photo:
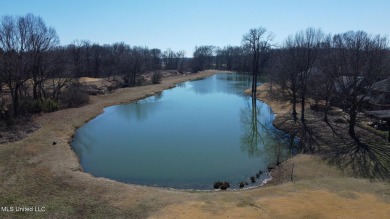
x: 260, y: 136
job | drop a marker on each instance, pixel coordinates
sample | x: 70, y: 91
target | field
x: 42, y: 171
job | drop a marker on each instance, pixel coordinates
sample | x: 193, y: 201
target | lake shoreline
x: 206, y: 155
x: 43, y: 170
x: 281, y: 173
x: 284, y: 172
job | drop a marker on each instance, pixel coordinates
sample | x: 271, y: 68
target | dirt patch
x: 19, y: 129
x: 89, y: 79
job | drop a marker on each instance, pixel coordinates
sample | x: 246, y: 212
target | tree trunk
x: 42, y: 92
x: 352, y: 123
x: 15, y: 101
x: 35, y: 90
x: 254, y: 88
x: 326, y: 110
x: 326, y: 116
x: 303, y: 96
x: 294, y: 113
x: 303, y: 106
x: 133, y: 77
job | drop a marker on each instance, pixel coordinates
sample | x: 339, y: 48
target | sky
x: 184, y: 24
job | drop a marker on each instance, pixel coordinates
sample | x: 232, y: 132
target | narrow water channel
x: 187, y: 137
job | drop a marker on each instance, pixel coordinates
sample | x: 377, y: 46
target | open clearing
x: 34, y: 172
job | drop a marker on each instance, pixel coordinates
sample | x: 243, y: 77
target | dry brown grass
x: 34, y: 172
x: 89, y: 79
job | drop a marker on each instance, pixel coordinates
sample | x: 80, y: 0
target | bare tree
x: 59, y: 72
x: 303, y: 50
x: 361, y: 61
x: 323, y: 84
x: 181, y: 60
x: 75, y: 55
x: 13, y: 43
x: 168, y: 58
x: 173, y: 60
x: 233, y: 58
x: 203, y: 58
x: 258, y: 43
x: 40, y: 41
x: 97, y: 60
x: 155, y: 59
x: 287, y: 78
x: 136, y: 64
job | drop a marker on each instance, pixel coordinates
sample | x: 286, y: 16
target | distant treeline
x: 35, y: 69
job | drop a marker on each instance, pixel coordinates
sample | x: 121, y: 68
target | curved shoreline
x: 97, y: 106
x: 192, y: 186
x: 36, y: 172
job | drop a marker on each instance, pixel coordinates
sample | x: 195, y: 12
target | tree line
x: 35, y: 69
x: 338, y: 69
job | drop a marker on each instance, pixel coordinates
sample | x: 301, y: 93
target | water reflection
x: 232, y: 84
x: 259, y: 136
x: 181, y: 85
x: 251, y: 135
x: 157, y: 96
x: 139, y: 110
x: 186, y: 137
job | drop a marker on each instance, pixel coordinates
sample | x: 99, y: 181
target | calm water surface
x: 187, y: 137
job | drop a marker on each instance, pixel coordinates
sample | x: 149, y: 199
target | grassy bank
x: 37, y: 173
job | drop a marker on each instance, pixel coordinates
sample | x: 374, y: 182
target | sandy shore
x: 36, y: 172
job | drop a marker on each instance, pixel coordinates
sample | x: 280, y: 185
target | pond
x: 187, y: 137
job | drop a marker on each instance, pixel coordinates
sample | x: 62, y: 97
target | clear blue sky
x: 183, y: 24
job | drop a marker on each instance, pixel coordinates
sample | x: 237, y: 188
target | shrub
x: 217, y: 184
x: 5, y: 116
x: 29, y: 105
x: 74, y: 95
x: 221, y: 185
x: 49, y: 105
x: 36, y: 106
x: 156, y: 77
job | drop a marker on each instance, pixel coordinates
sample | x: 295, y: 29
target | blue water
x: 187, y: 137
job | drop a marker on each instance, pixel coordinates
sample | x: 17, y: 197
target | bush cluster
x: 74, y: 95
x: 156, y: 77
